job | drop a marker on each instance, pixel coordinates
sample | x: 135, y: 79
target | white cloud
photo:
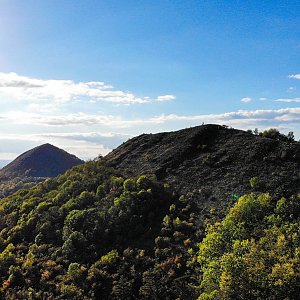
x: 295, y: 76
x: 78, y: 119
x: 8, y: 155
x: 165, y: 98
x: 90, y: 143
x: 110, y: 121
x: 41, y: 91
x: 84, y: 145
x: 246, y: 99
x: 108, y: 140
x: 81, y: 148
x: 263, y: 99
x: 241, y: 119
x: 287, y: 118
x: 296, y: 100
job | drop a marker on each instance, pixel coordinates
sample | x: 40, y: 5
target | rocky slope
x: 214, y: 158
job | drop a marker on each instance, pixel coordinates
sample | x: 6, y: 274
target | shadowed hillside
x: 35, y: 166
x: 213, y: 157
x: 43, y: 161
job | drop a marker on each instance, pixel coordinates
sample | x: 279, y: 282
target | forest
x: 93, y: 234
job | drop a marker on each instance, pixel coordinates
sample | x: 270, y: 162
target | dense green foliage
x: 254, y: 252
x: 93, y: 234
x: 10, y: 186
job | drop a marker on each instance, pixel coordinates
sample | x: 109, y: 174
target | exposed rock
x: 213, y: 157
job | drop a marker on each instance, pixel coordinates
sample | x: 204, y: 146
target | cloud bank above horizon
x: 110, y: 131
x: 58, y: 92
x: 36, y: 111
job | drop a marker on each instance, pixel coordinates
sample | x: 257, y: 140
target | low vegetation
x: 275, y: 134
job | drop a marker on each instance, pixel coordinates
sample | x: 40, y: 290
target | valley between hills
x: 207, y: 212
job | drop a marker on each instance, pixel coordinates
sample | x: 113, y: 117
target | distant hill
x: 35, y: 166
x: 42, y: 161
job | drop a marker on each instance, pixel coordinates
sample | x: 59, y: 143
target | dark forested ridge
x: 163, y: 216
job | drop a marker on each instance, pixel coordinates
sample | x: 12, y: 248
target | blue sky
x: 88, y: 75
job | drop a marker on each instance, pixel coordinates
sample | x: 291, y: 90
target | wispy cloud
x: 296, y: 100
x: 108, y: 140
x: 42, y: 91
x: 295, y: 76
x: 84, y: 145
x: 8, y: 155
x: 165, y: 98
x: 18, y: 117
x: 110, y: 121
x: 107, y: 132
x: 246, y: 99
x: 238, y: 116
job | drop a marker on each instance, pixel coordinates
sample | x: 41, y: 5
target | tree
x: 274, y: 134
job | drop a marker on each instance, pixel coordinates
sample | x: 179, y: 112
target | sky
x: 88, y: 75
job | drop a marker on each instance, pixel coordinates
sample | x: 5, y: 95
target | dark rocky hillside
x: 215, y: 158
x: 43, y: 161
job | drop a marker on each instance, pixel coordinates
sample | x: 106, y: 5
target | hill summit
x: 42, y: 161
x: 216, y: 158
